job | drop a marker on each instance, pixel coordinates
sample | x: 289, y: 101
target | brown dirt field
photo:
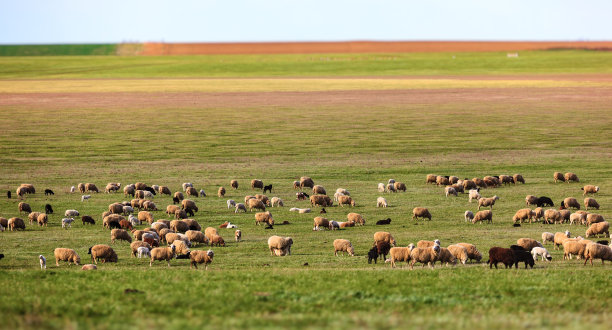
x: 356, y: 47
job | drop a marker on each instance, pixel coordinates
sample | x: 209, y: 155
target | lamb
x: 264, y: 217
x: 420, y: 212
x: 523, y: 214
x: 221, y: 192
x: 400, y: 254
x: 43, y: 262
x: 487, y: 202
x: 459, y: 252
x: 569, y: 176
x: 381, y: 187
x: 160, y: 254
x: 48, y: 209
x: 280, y: 244
x: 518, y: 178
x: 542, y: 252
x: 342, y: 200
x: 234, y: 184
x: 42, y: 219
x: 383, y: 236
x: 343, y: 245
x: 238, y: 235
x: 120, y: 234
x: 445, y: 256
x: 15, y: 223
x: 425, y: 256
x: 552, y: 216
x: 67, y: 223
x: 381, y: 202
x: 482, y: 216
x: 133, y: 220
x: 320, y: 222
x: 319, y: 190
x: 448, y: 190
x: 382, y: 249
x: 548, y: 237
x: 240, y: 207
x: 558, y: 176
x: 474, y: 194
x: 544, y: 201
x: 598, y: 228
x: 333, y: 225
x: 503, y: 255
x: 201, y: 257
x: 275, y: 201
x: 400, y: 186
x: 570, y: 202
x: 85, y: 197
x: 185, y: 185
x: 267, y: 188
x: 255, y: 203
x: 373, y: 255
x: 531, y: 200
x: 590, y: 202
x: 590, y: 189
x: 25, y: 208
x: 257, y: 184
x: 383, y: 222
x: 594, y: 218
x: 64, y: 254
x: 473, y: 253
x: 300, y: 196
x: 468, y: 215
x: 306, y: 182
x: 528, y: 243
x: 136, y: 245
x: 320, y: 200
x: 597, y: 251
x: 144, y: 251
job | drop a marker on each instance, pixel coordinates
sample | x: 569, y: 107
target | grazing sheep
x: 239, y: 207
x: 531, y: 200
x: 445, y: 256
x: 255, y: 203
x: 459, y: 252
x: 473, y: 253
x: 524, y: 256
x: 382, y: 249
x: 442, y: 181
x: 518, y: 178
x: 171, y: 209
x: 468, y: 215
x: 264, y: 217
x: 144, y: 251
x: 448, y: 190
x: 590, y: 189
x: 186, y: 185
x: 133, y: 220
x: 523, y: 214
x: 425, y: 256
x: 189, y: 206
x: 528, y: 243
x: 91, y: 187
x: 474, y: 194
x: 383, y: 236
x: 42, y: 219
x: 482, y: 216
x: 275, y: 201
x: 319, y: 190
x: 320, y: 222
x: 569, y: 176
x: 594, y: 218
x: 163, y: 190
x: 209, y: 232
x: 221, y: 192
x: 33, y: 216
x: 201, y: 257
x: 333, y: 225
x: 217, y: 240
x: 179, y: 226
x: 25, y: 208
x: 181, y: 247
x: 487, y: 202
x: 544, y: 201
x: 431, y: 178
x: 399, y: 186
x: 234, y: 184
x: 373, y: 255
x: 192, y: 224
x: 191, y: 191
x: 479, y: 182
x: 306, y: 182
x: 381, y: 202
x: 590, y: 202
x: 231, y: 203
x: 129, y: 190
x: 383, y: 222
x: 120, y: 234
x: 565, y: 215
x: 149, y: 206
x: 542, y: 252
x: 559, y: 238
x: 15, y: 223
x: 238, y: 235
x: 578, y: 218
x: 426, y: 244
x: 343, y: 245
x: 320, y: 200
x: 127, y: 210
x: 136, y: 245
x: 342, y: 200
x: 115, y: 208
x: 420, y: 212
x: 43, y: 262
x: 381, y: 187
x: 503, y: 255
x: 145, y: 216
x: 85, y: 197
x: 67, y: 223
x: 280, y: 244
x: 538, y: 214
x: 558, y: 176
x: 264, y: 199
x: 63, y: 254
x: 548, y: 237
x: 257, y: 184
x: 160, y: 254
x: 552, y: 216
x: 458, y: 188
x: 267, y: 188
x: 390, y: 188
x: 178, y: 196
x: 72, y: 190
x: 346, y: 224
x: 400, y: 254
x: 469, y: 185
x: 598, y: 228
x: 597, y: 251
x: 570, y: 202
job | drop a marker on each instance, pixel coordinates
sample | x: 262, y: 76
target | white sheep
x: 127, y: 210
x: 239, y: 207
x: 143, y: 251
x: 450, y: 191
x: 231, y: 225
x: 72, y: 189
x: 548, y: 237
x: 540, y: 251
x: 231, y: 203
x: 298, y: 210
x: 85, y: 197
x: 381, y: 202
x: 469, y: 216
x: 67, y: 222
x: 474, y: 194
x: 381, y: 187
x: 71, y: 213
x: 43, y: 262
x: 187, y: 184
x: 333, y: 225
x: 134, y: 220
x: 202, y: 193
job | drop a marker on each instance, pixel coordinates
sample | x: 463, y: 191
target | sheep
x: 301, y: 196
x: 85, y: 197
x: 565, y: 215
x: 112, y: 221
x: 469, y: 185
x: 458, y: 188
x: 240, y: 207
x: 267, y: 188
x: 238, y: 235
x: 133, y: 220
x: 381, y: 187
x: 442, y: 181
x: 299, y: 210
x: 524, y: 256
x: 67, y: 223
x: 145, y: 216
x: 491, y: 181
x: 189, y: 206
x: 426, y: 244
x: 320, y: 222
x: 343, y: 191
x: 528, y: 243
x: 64, y: 254
x: 570, y: 202
x: 569, y: 176
x: 149, y: 206
x: 257, y: 184
x: 559, y: 238
x: 431, y: 178
x: 319, y: 190
x: 48, y: 209
x: 503, y: 255
x: 343, y: 245
x: 333, y: 225
x: 531, y: 200
x: 129, y: 190
x: 459, y: 252
x: 542, y: 252
x: 91, y: 187
x: 320, y: 200
x: 590, y: 202
x: 589, y: 189
x: 157, y: 226
x: 120, y: 234
x: 209, y: 232
x: 473, y: 194
x: 342, y: 200
x: 181, y: 247
x: 382, y: 249
x: 578, y: 218
x: 523, y: 214
x: 43, y: 262
x: 538, y: 213
x: 144, y: 251
x: 400, y: 254
x: 552, y: 216
x: 264, y: 217
x: 390, y: 188
x: 217, y: 240
x: 42, y: 219
x: 445, y: 256
x: 373, y: 255
x: 479, y: 182
x: 15, y: 223
x: 201, y: 257
x: 383, y: 222
x: 221, y: 192
x: 594, y: 218
x: 487, y: 201
x: 544, y: 201
x: 518, y: 178
x: 306, y: 182
x: 171, y: 209
x: 163, y: 190
x: 296, y: 185
x: 400, y: 186
x: 179, y: 226
x: 191, y: 191
x: 25, y: 208
x: 160, y: 254
x: 255, y: 203
x: 575, y: 247
x: 598, y: 228
x: 115, y: 208
x: 179, y: 195
x: 448, y: 190
x: 276, y: 202
x: 346, y: 224
x: 468, y: 215
x: 264, y: 199
x: 33, y: 216
x: 185, y: 185
x: 473, y: 253
x: 381, y: 202
x: 548, y: 237
x: 72, y: 189
x: 281, y: 244
x: 420, y: 212
x: 383, y: 236
x: 234, y: 184
x: 128, y: 210
x: 425, y: 256
x: 171, y: 237
x: 482, y: 216
x: 597, y: 251
x: 136, y: 245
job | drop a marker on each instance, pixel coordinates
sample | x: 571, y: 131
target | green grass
x: 309, y: 65
x: 353, y: 146
x: 58, y: 50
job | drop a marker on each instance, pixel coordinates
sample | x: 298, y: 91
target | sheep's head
x: 210, y: 253
x: 436, y: 249
x: 437, y: 242
x: 567, y: 233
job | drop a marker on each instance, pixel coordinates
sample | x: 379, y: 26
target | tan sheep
x: 320, y: 222
x: 163, y: 190
x: 458, y: 188
x: 343, y: 245
x: 578, y: 218
x: 89, y: 267
x: 548, y: 237
x: 165, y: 253
x: 575, y: 247
x: 469, y: 185
x: 320, y: 200
x: 238, y: 235
x: 191, y: 191
x: 149, y: 206
x: 459, y: 252
x: 33, y: 216
x: 570, y: 202
x: 420, y: 212
x: 400, y: 254
x: 390, y: 188
x: 234, y: 184
x: 594, y: 218
x: 246, y: 198
x: 193, y: 224
x: 257, y: 184
x: 528, y: 243
x: 442, y: 181
x: 490, y: 201
x: 217, y: 240
x: 157, y: 226
x: 255, y: 203
x: 263, y: 198
x: 145, y: 216
x: 63, y: 254
x: 425, y: 256
x: 15, y: 223
x: 115, y: 208
x: 565, y: 215
x: 306, y: 182
x: 180, y: 247
x: 552, y: 216
x: 383, y: 236
x: 319, y: 190
x: 179, y: 195
x: 445, y: 256
x: 531, y: 200
x: 560, y: 238
x: 569, y: 176
x: 281, y: 244
x: 479, y: 182
x: 265, y: 217
x: 381, y: 202
x: 25, y: 208
x: 42, y: 219
x: 473, y: 253
x: 426, y: 244
x: 345, y: 200
x: 431, y: 178
x: 598, y: 228
x: 590, y: 189
x: 104, y: 252
x: 120, y: 234
x: 201, y: 257
x: 558, y: 176
x: 209, y: 232
x: 140, y: 185
x: 538, y: 213
x: 356, y: 218
x: 484, y: 215
x: 180, y: 214
x: 128, y: 190
x: 179, y: 226
x: 591, y: 202
x: 448, y: 190
x: 91, y: 187
x: 189, y: 205
x: 523, y: 214
x: 221, y: 192
x: 136, y: 244
x: 400, y: 186
x: 473, y: 194
x: 518, y: 178
x: 597, y: 251
x: 491, y: 181
x: 163, y: 232
x: 275, y: 201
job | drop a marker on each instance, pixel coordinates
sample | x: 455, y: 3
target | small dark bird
x: 8, y: 194
x: 323, y: 211
x: 516, y: 225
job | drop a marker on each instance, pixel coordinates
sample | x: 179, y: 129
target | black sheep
x: 516, y: 248
x: 151, y: 190
x: 184, y: 256
x: 523, y: 256
x: 49, y: 192
x: 382, y: 248
x: 503, y: 255
x: 1, y: 255
x: 48, y: 209
x: 603, y: 242
x: 268, y: 188
x: 373, y: 255
x: 189, y: 212
x: 88, y: 219
x: 114, y: 224
x: 544, y: 201
x: 384, y: 222
x: 176, y: 200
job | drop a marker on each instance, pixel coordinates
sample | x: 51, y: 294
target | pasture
x: 350, y: 124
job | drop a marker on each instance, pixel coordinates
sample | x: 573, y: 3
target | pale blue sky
x: 110, y: 21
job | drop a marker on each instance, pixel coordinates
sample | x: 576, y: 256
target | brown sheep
x: 120, y: 234
x: 91, y: 187
x: 189, y: 206
x: 469, y: 185
x: 565, y: 215
x: 201, y: 257
x: 431, y: 178
x: 528, y: 243
x: 33, y: 217
x: 25, y: 208
x: 163, y: 190
x: 42, y: 219
x: 589, y: 189
x: 598, y: 228
x: 591, y: 202
x: 320, y: 200
x: 306, y: 182
x: 171, y: 209
x: 209, y: 232
x: 255, y: 203
x: 125, y: 224
x: 518, y: 178
x: 559, y: 238
x: 191, y: 191
x: 383, y: 236
x: 569, y: 176
x: 64, y: 254
x: 597, y: 251
x: 179, y: 195
x: 179, y: 226
x: 552, y: 216
x: 320, y: 222
x: 104, y: 252
x: 319, y: 190
x: 420, y: 212
x: 264, y: 217
x: 257, y: 184
x: 594, y: 218
x: 523, y: 214
x: 264, y: 199
x: 342, y: 200
x: 129, y: 190
x: 538, y: 213
x: 15, y: 223
x: 193, y: 224
x: 473, y: 253
x: 400, y: 186
x: 558, y: 176
x: 490, y: 201
x: 140, y: 186
x: 196, y: 236
x: 145, y: 216
x: 441, y: 181
x: 482, y: 216
x: 506, y: 179
x: 115, y: 208
x: 149, y: 206
x: 356, y: 217
x: 234, y: 184
x: 217, y: 240
x: 570, y: 202
x: 221, y: 192
x: 531, y: 200
x: 136, y: 244
x: 479, y: 182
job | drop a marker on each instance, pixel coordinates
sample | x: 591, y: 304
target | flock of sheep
x: 182, y: 233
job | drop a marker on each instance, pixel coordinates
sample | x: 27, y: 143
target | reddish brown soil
x: 359, y: 47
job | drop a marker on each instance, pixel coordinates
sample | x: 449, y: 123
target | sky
x: 114, y: 21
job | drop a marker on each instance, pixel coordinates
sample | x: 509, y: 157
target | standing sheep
x: 276, y: 202
x: 487, y: 202
x: 201, y: 257
x: 356, y: 218
x: 381, y: 202
x: 594, y: 218
x: 459, y: 252
x: 400, y: 186
x: 381, y: 187
x: 234, y: 184
x: 431, y: 178
x: 570, y: 202
x: 468, y: 216
x: 450, y: 191
x: 255, y: 203
x: 420, y: 212
x: 473, y: 194
x: 264, y: 217
x: 120, y: 234
x: 528, y: 243
x: 518, y: 178
x: 598, y: 228
x: 15, y: 223
x: 238, y: 235
x: 523, y: 214
x: 64, y: 254
x: 558, y: 176
x: 473, y: 253
x: 482, y: 216
x: 342, y: 200
x: 589, y: 189
x: 343, y: 245
x: 552, y: 216
x: 104, y: 252
x: 425, y: 256
x: 597, y: 251
x: 166, y: 253
x: 240, y: 207
x: 221, y: 192
x: 257, y: 184
x: 25, y: 208
x: 569, y: 176
x: 280, y: 244
x: 548, y: 237
x: 531, y: 200
x: 542, y: 252
x: 136, y: 245
x: 320, y: 222
x: 400, y: 254
x: 445, y: 256
x: 591, y: 202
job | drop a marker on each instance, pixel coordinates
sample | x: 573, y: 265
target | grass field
x: 347, y: 125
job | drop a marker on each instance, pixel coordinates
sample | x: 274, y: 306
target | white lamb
x: 202, y: 193
x: 43, y: 262
x: 72, y: 189
x: 134, y: 220
x: 469, y: 216
x: 231, y: 203
x: 67, y: 223
x: 85, y: 197
x: 540, y: 251
x: 381, y: 187
x: 474, y: 194
x: 333, y: 225
x: 143, y: 251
